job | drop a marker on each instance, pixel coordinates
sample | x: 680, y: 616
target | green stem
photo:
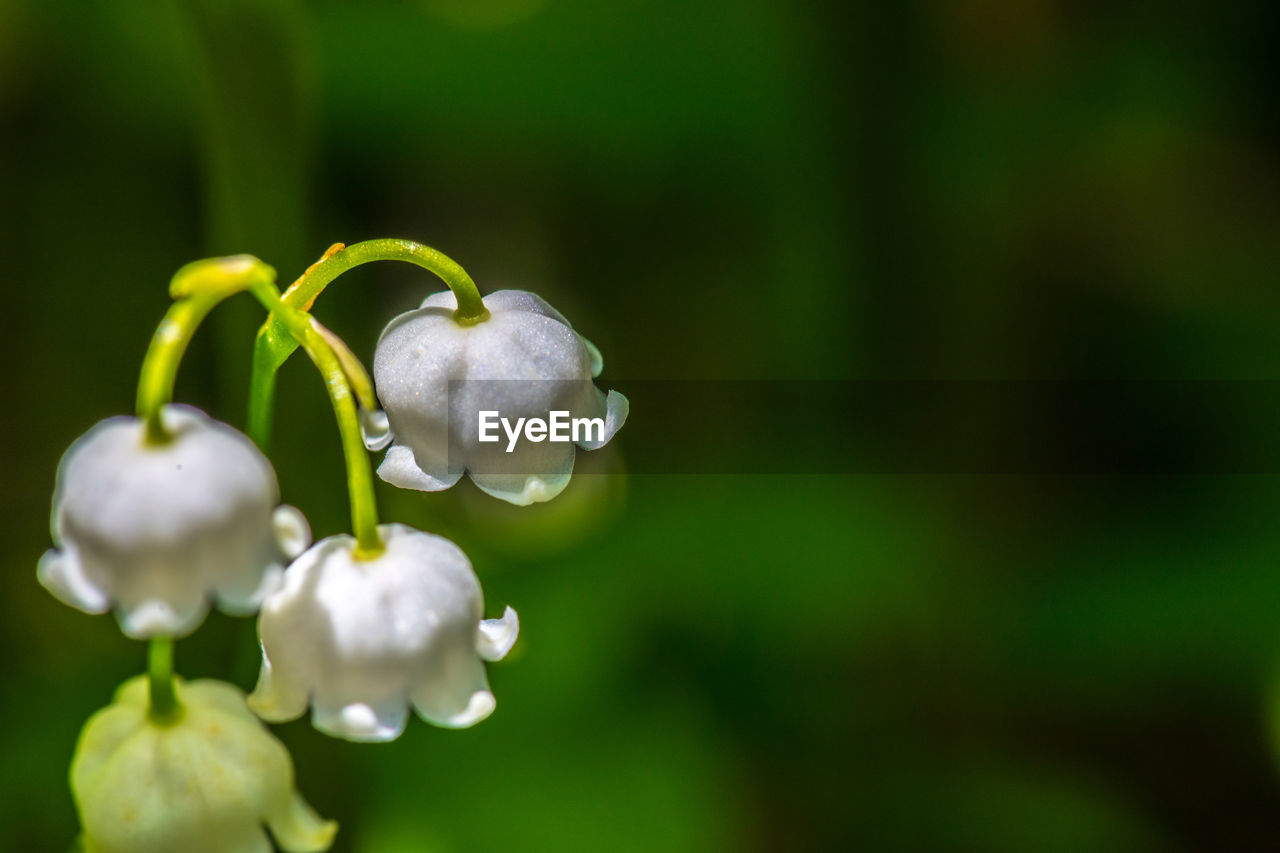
x: 364, y: 505
x: 196, y: 289
x: 262, y: 382
x: 273, y: 347
x: 160, y: 367
x: 164, y: 701
x: 339, y: 259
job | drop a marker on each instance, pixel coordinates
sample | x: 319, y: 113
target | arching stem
x: 274, y: 346
x: 364, y: 508
x: 339, y: 258
x: 197, y: 288
x: 160, y: 367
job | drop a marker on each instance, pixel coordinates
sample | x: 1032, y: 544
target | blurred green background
x: 710, y: 189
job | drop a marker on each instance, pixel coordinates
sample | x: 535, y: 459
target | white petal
x: 525, y: 345
x: 61, y: 574
x: 616, y: 410
x: 239, y: 602
x: 479, y: 707
x: 532, y: 473
x: 293, y: 533
x: 457, y: 700
x: 441, y: 299
x: 524, y: 491
x: 157, y: 617
x: 524, y: 301
x: 495, y: 637
x: 362, y: 722
x: 424, y: 343
x: 400, y: 468
x: 277, y: 699
x: 376, y: 429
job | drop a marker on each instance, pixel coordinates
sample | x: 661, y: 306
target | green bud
x: 205, y: 781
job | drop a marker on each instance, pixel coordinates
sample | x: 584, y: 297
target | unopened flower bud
x: 205, y: 781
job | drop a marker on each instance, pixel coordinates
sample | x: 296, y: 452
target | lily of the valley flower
x: 156, y: 530
x: 362, y: 639
x: 434, y: 376
x: 204, y: 782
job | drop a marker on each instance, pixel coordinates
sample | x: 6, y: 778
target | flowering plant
x: 160, y: 515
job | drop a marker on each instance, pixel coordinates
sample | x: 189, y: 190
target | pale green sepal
x: 597, y: 360
x: 296, y: 826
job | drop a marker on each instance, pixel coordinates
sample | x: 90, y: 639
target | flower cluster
x: 159, y: 517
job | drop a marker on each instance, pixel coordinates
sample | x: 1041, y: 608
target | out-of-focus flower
x: 362, y: 639
x: 434, y: 376
x: 157, y: 530
x: 203, y: 782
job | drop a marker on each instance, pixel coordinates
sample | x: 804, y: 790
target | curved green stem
x: 160, y: 367
x: 364, y: 507
x: 274, y: 346
x: 163, y: 705
x: 197, y: 288
x: 341, y: 258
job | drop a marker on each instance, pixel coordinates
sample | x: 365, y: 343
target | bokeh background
x: 713, y: 190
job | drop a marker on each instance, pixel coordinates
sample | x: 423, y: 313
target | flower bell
x: 435, y: 376
x: 156, y: 530
x: 204, y: 781
x: 362, y: 639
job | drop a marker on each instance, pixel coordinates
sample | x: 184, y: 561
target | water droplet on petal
x: 376, y: 429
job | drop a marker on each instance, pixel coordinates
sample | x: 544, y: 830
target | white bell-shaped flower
x: 158, y: 530
x: 434, y: 377
x: 362, y: 639
x: 204, y: 782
